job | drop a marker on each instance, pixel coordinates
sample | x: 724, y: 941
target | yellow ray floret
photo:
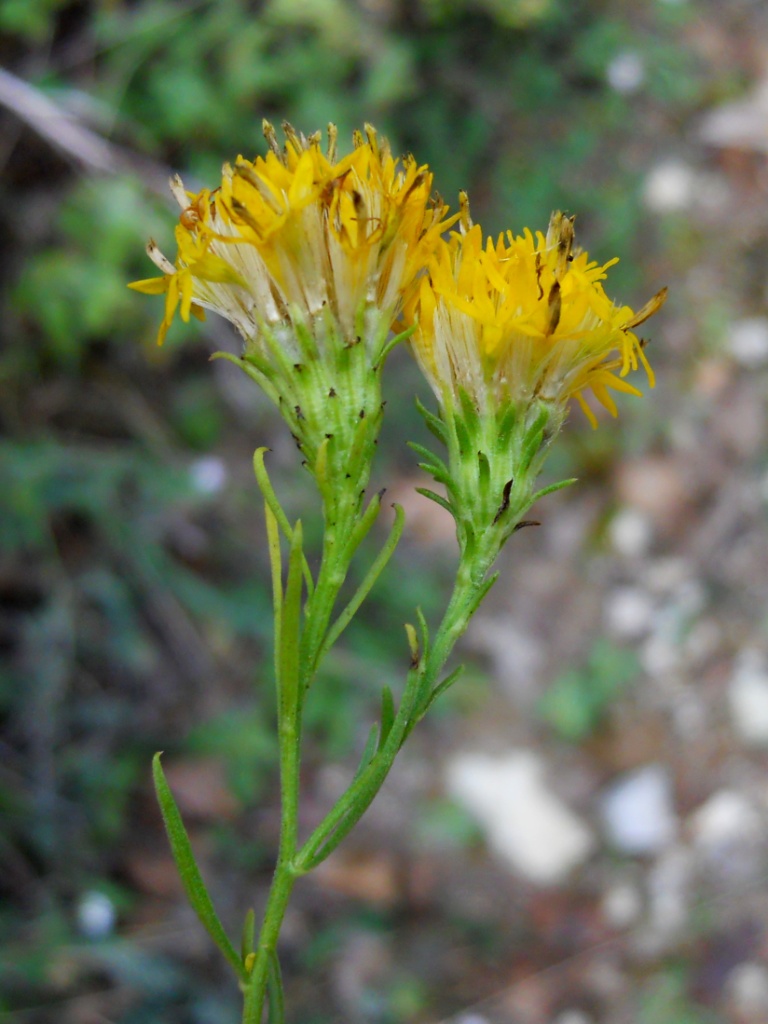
x: 524, y: 318
x: 299, y: 232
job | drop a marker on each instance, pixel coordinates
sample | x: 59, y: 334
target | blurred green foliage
x: 576, y: 702
x: 130, y: 582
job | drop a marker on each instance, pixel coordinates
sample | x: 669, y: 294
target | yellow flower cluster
x: 298, y: 234
x: 344, y: 248
x: 523, y: 318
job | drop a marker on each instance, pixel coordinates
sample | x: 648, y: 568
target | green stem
x: 285, y: 871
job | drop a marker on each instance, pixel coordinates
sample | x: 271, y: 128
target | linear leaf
x: 188, y: 870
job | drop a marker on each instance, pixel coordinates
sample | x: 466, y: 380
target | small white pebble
x: 622, y: 905
x: 572, y: 1017
x: 525, y: 821
x: 630, y: 533
x: 96, y: 915
x: 748, y: 987
x: 638, y: 812
x: 725, y: 819
x: 626, y: 72
x: 669, y: 187
x: 628, y: 612
x: 209, y: 474
x: 748, y: 341
x: 748, y: 695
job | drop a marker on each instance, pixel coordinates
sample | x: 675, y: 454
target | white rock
x: 748, y: 696
x: 628, y: 612
x: 626, y: 72
x: 209, y: 474
x: 525, y: 823
x: 622, y: 905
x: 637, y: 811
x: 748, y: 988
x: 96, y: 915
x: 669, y: 883
x: 748, y: 341
x: 726, y: 818
x: 572, y: 1017
x: 669, y: 187
x: 630, y: 533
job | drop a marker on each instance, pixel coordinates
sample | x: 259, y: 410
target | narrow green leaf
x: 288, y: 680
x: 189, y: 872
x: 387, y: 715
x: 276, y: 563
x: 267, y: 490
x: 376, y: 569
x: 370, y: 748
x: 249, y: 934
x: 275, y: 1001
x: 441, y: 688
x: 363, y: 525
x: 424, y: 630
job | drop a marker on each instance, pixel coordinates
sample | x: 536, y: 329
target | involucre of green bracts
x: 492, y: 461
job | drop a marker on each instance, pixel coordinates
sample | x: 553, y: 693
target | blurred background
x: 578, y: 834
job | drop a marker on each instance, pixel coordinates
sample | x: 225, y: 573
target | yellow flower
x: 297, y: 236
x: 523, y: 319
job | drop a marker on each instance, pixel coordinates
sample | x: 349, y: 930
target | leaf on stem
x: 387, y: 715
x: 379, y: 564
x: 189, y: 872
x: 369, y: 750
x: 276, y: 1004
x: 268, y: 491
x: 441, y: 688
x: 288, y: 654
x: 249, y: 935
x: 363, y: 525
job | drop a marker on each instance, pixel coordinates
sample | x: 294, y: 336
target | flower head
x: 298, y: 236
x: 523, y: 319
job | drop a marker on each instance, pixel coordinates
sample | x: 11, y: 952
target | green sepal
x: 463, y: 437
x: 393, y: 343
x: 553, y: 487
x: 189, y: 872
x: 505, y: 427
x: 437, y: 498
x: 434, y: 424
x: 484, y: 476
x: 469, y: 412
x: 431, y: 460
x: 249, y: 935
x: 533, y: 439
